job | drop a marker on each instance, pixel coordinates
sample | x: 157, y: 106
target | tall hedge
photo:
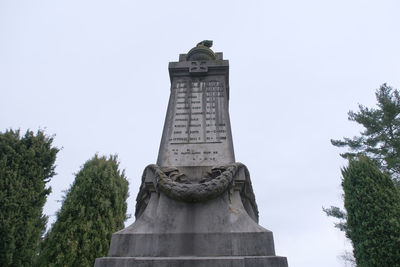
x: 372, y: 203
x: 93, y: 209
x: 26, y: 165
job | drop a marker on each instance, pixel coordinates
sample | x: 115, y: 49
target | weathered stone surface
x: 248, y: 261
x: 196, y: 207
x: 197, y: 129
x: 237, y: 176
x: 218, y: 227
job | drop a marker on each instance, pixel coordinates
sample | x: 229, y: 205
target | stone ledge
x: 234, y: 261
x: 186, y: 244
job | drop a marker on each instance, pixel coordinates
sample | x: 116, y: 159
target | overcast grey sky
x: 95, y: 74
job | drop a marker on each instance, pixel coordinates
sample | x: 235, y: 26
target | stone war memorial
x: 196, y: 206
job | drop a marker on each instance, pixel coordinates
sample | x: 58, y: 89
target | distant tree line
x: 93, y: 208
x: 371, y: 182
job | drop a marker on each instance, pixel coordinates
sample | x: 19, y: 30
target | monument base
x: 219, y: 232
x: 245, y: 261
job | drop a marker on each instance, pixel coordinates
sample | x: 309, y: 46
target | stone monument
x: 196, y: 207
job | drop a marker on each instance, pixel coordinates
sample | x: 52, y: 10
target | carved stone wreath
x: 175, y: 185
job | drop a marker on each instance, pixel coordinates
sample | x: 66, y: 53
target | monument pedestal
x: 221, y: 231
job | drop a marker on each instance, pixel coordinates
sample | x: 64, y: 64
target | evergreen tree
x: 380, y: 139
x: 93, y: 209
x: 26, y: 165
x: 372, y: 203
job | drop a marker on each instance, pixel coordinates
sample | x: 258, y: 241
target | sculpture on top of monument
x: 207, y: 43
x: 201, y: 51
x: 196, y: 206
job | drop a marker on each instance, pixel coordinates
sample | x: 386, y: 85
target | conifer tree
x: 380, y: 139
x: 93, y: 208
x: 26, y: 165
x: 372, y: 203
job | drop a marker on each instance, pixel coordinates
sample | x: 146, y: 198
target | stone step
x: 234, y: 261
x: 186, y: 244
